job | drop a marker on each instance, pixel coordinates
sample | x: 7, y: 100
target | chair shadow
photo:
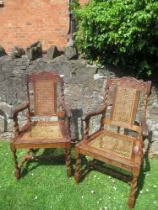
x: 46, y: 158
x: 145, y: 167
x: 2, y: 113
x: 104, y: 169
x: 76, y: 129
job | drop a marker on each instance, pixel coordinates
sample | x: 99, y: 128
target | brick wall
x: 23, y: 22
x: 82, y: 2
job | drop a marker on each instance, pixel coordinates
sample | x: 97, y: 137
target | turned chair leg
x: 16, y: 168
x: 68, y: 162
x: 77, y: 168
x: 131, y: 199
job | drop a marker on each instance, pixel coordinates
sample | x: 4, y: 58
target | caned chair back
x: 126, y: 95
x: 42, y: 92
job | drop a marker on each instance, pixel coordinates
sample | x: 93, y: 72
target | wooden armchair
x: 48, y: 119
x: 119, y: 140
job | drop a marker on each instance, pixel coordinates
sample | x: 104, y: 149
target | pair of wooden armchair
x: 118, y: 141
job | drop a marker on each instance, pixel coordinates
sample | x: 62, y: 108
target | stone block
x: 2, y: 51
x: 34, y: 51
x: 70, y: 52
x: 52, y: 52
x: 17, y: 52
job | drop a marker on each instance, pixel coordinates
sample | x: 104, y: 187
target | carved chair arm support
x: 138, y: 151
x: 14, y: 115
x: 87, y: 117
x: 68, y: 115
x: 145, y: 130
x: 67, y: 111
x: 92, y: 114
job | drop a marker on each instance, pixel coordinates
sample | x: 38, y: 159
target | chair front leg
x: 68, y: 161
x: 131, y: 199
x: 16, y: 168
x: 77, y: 168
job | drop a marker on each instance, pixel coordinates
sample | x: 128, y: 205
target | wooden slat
x: 123, y: 125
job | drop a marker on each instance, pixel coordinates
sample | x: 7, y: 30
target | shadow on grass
x: 105, y: 169
x: 145, y: 167
x: 48, y: 157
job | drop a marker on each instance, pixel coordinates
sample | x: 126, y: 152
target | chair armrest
x: 19, y: 108
x: 91, y: 114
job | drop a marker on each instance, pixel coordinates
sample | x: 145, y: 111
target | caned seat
x: 119, y: 139
x: 113, y: 143
x: 46, y: 132
x: 48, y: 118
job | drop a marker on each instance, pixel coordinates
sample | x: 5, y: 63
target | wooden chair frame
x: 133, y: 163
x: 44, y: 84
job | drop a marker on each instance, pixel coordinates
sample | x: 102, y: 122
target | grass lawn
x: 44, y: 186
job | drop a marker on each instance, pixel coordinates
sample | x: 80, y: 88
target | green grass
x: 44, y: 186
